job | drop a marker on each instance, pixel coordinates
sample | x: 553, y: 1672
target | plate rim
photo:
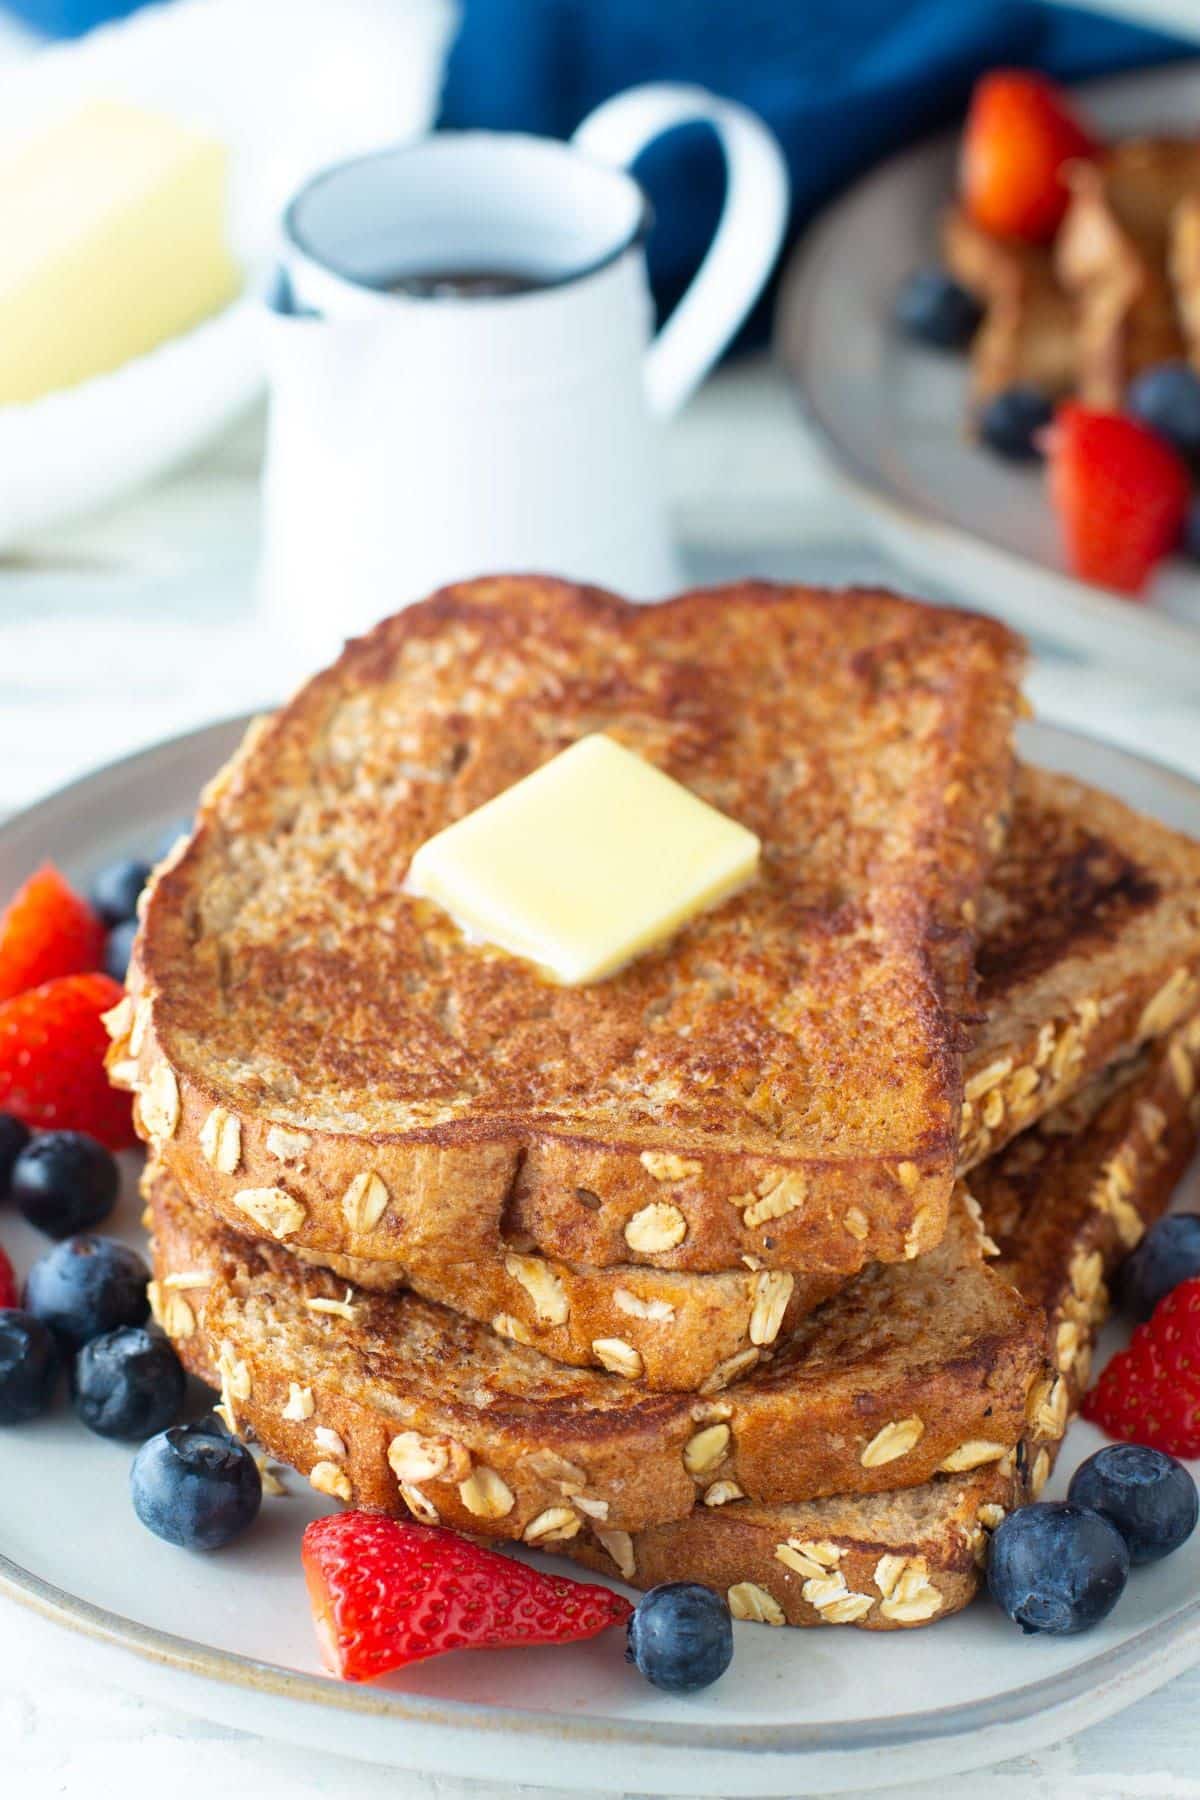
x: 890, y: 514
x: 1173, y: 1641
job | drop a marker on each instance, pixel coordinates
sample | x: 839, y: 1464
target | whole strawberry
x: 1021, y: 132
x: 386, y: 1592
x: 52, y: 1047
x: 1121, y: 494
x: 1150, y: 1393
x: 47, y: 930
x: 8, y: 1283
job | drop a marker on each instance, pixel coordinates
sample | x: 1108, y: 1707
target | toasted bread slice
x: 1089, y: 947
x: 1090, y: 943
x: 1114, y: 255
x: 800, y: 1043
x: 874, y: 1391
x: 681, y: 1332
x: 1027, y: 336
x: 1064, y: 1204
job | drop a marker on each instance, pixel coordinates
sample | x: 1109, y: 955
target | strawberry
x: 1150, y: 1393
x: 47, y: 930
x: 8, y: 1283
x: 1021, y: 129
x: 52, y: 1047
x: 385, y: 1593
x: 1120, y: 492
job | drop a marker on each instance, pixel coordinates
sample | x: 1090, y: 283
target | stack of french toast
x: 1116, y: 292
x: 773, y: 1260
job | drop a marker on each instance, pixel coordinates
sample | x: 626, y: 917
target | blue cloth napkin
x: 843, y: 82
x: 70, y: 18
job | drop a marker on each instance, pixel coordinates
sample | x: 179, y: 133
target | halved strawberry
x: 47, y: 930
x: 1150, y: 1393
x: 8, y: 1283
x: 1120, y: 492
x: 1021, y: 130
x: 52, y: 1047
x: 386, y: 1592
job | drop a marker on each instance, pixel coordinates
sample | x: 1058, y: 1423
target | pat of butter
x: 590, y: 860
x: 112, y: 239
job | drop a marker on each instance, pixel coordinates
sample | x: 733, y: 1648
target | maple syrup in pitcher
x: 467, y: 284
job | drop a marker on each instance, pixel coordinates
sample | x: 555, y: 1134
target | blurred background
x: 129, y: 507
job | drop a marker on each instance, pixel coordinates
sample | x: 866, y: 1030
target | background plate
x: 229, y: 1636
x: 890, y: 416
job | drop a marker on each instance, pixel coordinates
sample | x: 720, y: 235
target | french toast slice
x: 1089, y: 946
x: 1027, y: 335
x: 1090, y: 943
x: 679, y: 1332
x: 874, y: 1391
x: 1120, y: 252
x: 796, y: 1050
x: 1064, y: 1204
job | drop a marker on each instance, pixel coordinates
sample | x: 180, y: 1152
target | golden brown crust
x: 689, y: 1331
x: 898, y: 1561
x: 1089, y: 947
x: 866, y: 739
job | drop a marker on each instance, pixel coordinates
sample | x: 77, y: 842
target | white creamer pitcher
x: 415, y: 439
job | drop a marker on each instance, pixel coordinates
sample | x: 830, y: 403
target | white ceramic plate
x: 229, y: 1636
x: 890, y: 416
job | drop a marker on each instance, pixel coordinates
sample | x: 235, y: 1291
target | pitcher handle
x: 748, y: 235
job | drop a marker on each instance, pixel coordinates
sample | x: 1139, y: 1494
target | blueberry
x: 213, y: 1423
x: 88, y: 1286
x: 681, y: 1637
x: 14, y: 1135
x: 64, y: 1181
x: 1011, y: 422
x: 1057, y: 1568
x: 1150, y: 1498
x: 28, y: 1367
x: 118, y: 947
x: 1168, y: 1254
x: 195, y: 1488
x: 114, y: 893
x: 934, y: 309
x: 128, y: 1384
x: 1167, y: 398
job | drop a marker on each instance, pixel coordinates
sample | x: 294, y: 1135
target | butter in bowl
x: 113, y: 239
